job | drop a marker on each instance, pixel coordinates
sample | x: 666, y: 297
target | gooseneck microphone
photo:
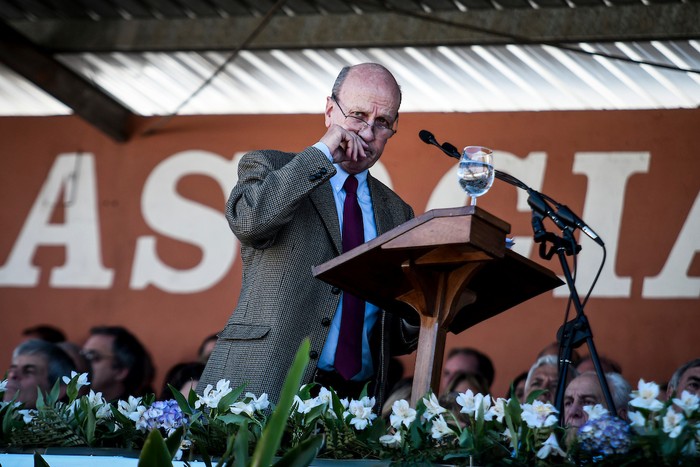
x: 563, y: 217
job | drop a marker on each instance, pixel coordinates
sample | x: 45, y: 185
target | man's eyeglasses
x: 381, y: 127
x: 94, y: 356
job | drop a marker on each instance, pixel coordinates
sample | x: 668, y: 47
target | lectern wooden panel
x: 448, y: 268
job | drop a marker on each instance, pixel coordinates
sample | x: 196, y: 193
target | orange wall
x: 652, y: 212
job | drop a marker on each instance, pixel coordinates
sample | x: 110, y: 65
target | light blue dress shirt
x: 327, y: 358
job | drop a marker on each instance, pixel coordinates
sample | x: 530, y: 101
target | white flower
x: 211, y: 397
x: 95, y: 400
x: 392, y: 441
x: 306, y: 406
x: 241, y: 407
x: 132, y: 409
x: 688, y: 402
x: 550, y: 446
x: 466, y: 400
x: 325, y: 396
x: 595, y: 411
x: 645, y: 397
x: 539, y: 414
x: 3, y: 385
x: 28, y: 415
x: 470, y: 404
x: 401, y: 413
x: 361, y: 412
x: 259, y: 403
x: 432, y: 407
x: 82, y: 379
x: 673, y: 423
x: 498, y: 410
x: 636, y: 419
x: 439, y: 429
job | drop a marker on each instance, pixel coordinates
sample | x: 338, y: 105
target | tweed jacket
x: 283, y: 212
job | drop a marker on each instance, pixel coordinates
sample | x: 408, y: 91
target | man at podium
x: 293, y: 211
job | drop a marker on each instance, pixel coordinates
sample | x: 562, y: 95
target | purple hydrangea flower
x: 604, y: 436
x: 162, y: 414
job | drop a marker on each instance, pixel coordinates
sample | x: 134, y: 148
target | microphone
x: 568, y: 216
x: 539, y: 204
x: 428, y: 138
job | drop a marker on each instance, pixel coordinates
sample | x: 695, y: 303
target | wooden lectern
x: 451, y: 266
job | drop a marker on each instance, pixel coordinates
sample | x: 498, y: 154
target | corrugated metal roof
x: 434, y: 79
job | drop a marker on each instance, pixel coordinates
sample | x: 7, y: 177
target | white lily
x: 82, y: 379
x: 674, y: 422
x: 595, y: 411
x: 401, y: 414
x: 646, y: 396
x: 211, y: 397
x: 551, y: 446
x: 539, y: 414
x: 688, y: 402
x: 440, y: 429
x: 432, y: 407
x: 392, y: 441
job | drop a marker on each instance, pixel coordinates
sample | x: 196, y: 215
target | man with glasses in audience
x: 293, y: 211
x: 120, y: 365
x: 36, y: 366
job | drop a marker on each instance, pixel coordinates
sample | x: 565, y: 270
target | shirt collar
x: 338, y: 180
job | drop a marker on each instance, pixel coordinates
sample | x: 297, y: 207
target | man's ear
x: 329, y: 109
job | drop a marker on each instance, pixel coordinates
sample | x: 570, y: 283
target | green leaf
x: 233, y: 419
x: 240, y: 447
x: 91, y: 422
x: 155, y: 452
x: 174, y: 441
x: 272, y: 435
x: 181, y: 401
x: 303, y: 454
x: 229, y: 398
x: 39, y: 461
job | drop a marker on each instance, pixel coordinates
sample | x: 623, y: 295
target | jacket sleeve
x: 271, y: 184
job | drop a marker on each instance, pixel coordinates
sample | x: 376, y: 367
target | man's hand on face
x: 344, y: 145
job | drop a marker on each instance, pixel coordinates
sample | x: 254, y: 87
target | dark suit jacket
x: 283, y: 212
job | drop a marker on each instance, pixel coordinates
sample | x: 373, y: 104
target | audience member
x: 36, y: 366
x: 544, y: 374
x: 585, y: 390
x: 44, y: 332
x: 469, y: 360
x: 464, y: 381
x: 206, y: 348
x: 517, y: 387
x: 607, y: 365
x: 183, y: 376
x: 120, y: 365
x: 685, y: 378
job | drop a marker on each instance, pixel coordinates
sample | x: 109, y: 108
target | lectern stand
x: 451, y: 266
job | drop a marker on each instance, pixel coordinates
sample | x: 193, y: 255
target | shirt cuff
x: 324, y: 149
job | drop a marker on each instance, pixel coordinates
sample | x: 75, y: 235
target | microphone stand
x: 576, y: 331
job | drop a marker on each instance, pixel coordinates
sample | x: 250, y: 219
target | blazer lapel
x: 382, y: 216
x: 322, y: 198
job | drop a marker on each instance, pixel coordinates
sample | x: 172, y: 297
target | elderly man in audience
x: 466, y: 360
x: 544, y: 374
x: 36, y: 365
x: 120, y: 365
x: 685, y: 378
x: 585, y: 390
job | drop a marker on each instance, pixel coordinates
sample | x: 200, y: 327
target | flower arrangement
x: 313, y: 421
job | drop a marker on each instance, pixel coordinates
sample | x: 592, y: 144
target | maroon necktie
x: 348, y: 354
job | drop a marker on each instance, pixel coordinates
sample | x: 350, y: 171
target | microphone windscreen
x: 427, y: 137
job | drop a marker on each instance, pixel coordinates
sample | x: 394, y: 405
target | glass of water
x: 475, y: 171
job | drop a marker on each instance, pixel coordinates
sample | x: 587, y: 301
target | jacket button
x: 313, y: 178
x: 313, y: 355
x: 325, y: 322
x: 335, y: 290
x: 322, y: 171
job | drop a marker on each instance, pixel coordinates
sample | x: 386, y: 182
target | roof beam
x: 663, y: 21
x: 89, y: 102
